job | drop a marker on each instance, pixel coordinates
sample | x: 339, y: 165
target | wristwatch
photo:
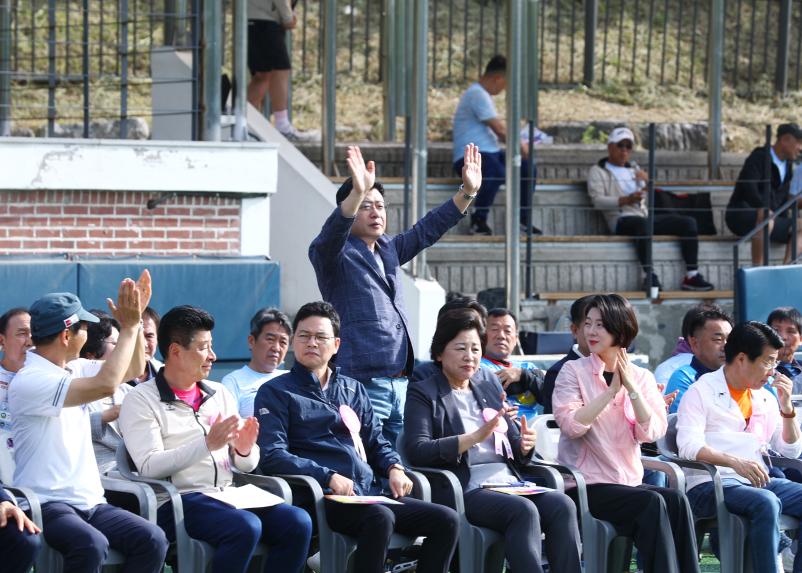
x: 396, y: 467
x: 634, y: 396
x: 791, y: 415
x: 465, y: 195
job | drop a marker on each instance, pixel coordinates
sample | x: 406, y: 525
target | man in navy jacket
x: 358, y: 271
x: 317, y: 422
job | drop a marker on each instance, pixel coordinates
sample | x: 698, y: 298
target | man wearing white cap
x: 616, y: 187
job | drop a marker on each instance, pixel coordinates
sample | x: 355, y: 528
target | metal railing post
x: 767, y: 194
x: 123, y: 69
x: 51, y: 67
x: 329, y: 84
x: 211, y: 85
x: 419, y: 113
x: 783, y: 47
x: 389, y: 69
x: 650, y: 200
x: 5, y: 68
x: 715, y: 65
x: 240, y: 95
x: 532, y: 83
x: 85, y: 65
x: 195, y: 35
x: 591, y: 22
x: 513, y: 162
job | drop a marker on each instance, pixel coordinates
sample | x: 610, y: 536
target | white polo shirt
x: 53, y: 443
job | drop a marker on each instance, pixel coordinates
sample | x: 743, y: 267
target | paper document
x: 526, y: 489
x: 246, y: 497
x: 363, y: 499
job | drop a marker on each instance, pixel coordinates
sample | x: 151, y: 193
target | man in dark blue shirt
x: 317, y: 422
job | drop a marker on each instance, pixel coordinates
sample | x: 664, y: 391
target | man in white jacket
x: 182, y: 427
x: 728, y: 419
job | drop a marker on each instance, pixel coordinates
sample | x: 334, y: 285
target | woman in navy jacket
x: 455, y: 420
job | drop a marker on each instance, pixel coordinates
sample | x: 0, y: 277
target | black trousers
x: 372, y: 525
x: 666, y: 224
x: 521, y: 519
x: 658, y: 519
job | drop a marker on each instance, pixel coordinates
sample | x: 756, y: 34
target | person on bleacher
x: 579, y: 350
x: 53, y: 439
x: 767, y: 169
x: 315, y: 421
x: 606, y: 407
x: 729, y: 419
x: 616, y: 186
x: 358, y: 270
x: 15, y: 340
x: 708, y: 334
x: 519, y: 378
x: 453, y: 420
x: 20, y: 541
x: 184, y: 428
x: 269, y: 340
x: 787, y: 321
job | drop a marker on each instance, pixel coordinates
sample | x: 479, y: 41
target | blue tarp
x: 760, y: 290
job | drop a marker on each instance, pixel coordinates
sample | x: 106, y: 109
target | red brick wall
x: 117, y: 223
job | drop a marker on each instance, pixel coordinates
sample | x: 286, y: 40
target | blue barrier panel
x: 760, y: 290
x: 23, y: 280
x: 231, y: 289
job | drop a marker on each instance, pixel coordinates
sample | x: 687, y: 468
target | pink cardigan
x: 608, y: 450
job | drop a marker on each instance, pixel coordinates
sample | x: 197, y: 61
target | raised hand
x: 472, y: 169
x: 624, y: 371
x: 127, y: 310
x: 784, y: 387
x: 528, y: 437
x: 145, y: 285
x: 363, y: 175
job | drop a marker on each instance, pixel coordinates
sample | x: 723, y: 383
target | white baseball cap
x: 620, y: 134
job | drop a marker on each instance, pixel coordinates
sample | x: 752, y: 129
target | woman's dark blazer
x: 432, y: 424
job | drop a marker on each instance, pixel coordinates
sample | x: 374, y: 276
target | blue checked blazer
x: 374, y: 329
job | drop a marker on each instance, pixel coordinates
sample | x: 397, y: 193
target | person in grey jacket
x: 616, y: 186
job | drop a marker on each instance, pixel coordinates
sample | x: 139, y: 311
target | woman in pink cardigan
x: 606, y: 407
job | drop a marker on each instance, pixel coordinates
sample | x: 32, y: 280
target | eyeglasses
x: 624, y: 145
x: 305, y: 337
x: 769, y: 364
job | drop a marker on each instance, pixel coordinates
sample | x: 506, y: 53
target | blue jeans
x: 493, y: 175
x: 762, y: 508
x: 234, y: 533
x: 388, y: 396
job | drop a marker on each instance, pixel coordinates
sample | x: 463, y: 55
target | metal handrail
x: 793, y: 204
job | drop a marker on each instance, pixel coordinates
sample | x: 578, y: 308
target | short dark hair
x: 502, y: 312
x: 788, y: 313
x: 705, y: 313
x: 151, y: 313
x: 496, y: 65
x: 45, y: 340
x: 96, y: 333
x: 751, y: 338
x: 348, y: 184
x: 180, y: 325
x: 450, y: 325
x: 577, y: 312
x: 617, y: 315
x: 318, y: 308
x: 266, y: 316
x: 691, y: 316
x: 8, y: 315
x: 463, y: 302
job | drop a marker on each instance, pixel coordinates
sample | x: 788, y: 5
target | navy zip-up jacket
x: 301, y: 430
x: 375, y: 330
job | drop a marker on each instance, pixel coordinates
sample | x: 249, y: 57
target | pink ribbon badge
x: 351, y: 421
x: 499, y: 432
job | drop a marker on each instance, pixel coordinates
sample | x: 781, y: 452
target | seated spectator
x: 605, y: 407
x: 268, y: 341
x: 579, y: 350
x: 20, y: 541
x: 184, y: 428
x: 450, y: 422
x: 708, y: 335
x: 616, y: 187
x: 101, y: 338
x: 52, y: 436
x: 682, y: 354
x: 150, y: 327
x: 728, y: 419
x: 764, y: 182
x: 15, y: 340
x: 787, y: 322
x: 316, y: 422
x: 476, y: 121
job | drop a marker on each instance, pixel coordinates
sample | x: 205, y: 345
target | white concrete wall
x: 424, y: 298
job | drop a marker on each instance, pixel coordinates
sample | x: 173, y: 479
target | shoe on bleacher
x: 655, y: 282
x: 535, y: 230
x: 697, y: 282
x: 480, y: 227
x: 297, y: 136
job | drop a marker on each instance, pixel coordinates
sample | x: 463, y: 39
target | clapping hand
x: 624, y: 370
x: 528, y: 437
x: 246, y: 436
x: 471, y: 169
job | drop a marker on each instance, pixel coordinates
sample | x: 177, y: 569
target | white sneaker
x: 787, y: 560
x: 293, y: 134
x: 314, y: 562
